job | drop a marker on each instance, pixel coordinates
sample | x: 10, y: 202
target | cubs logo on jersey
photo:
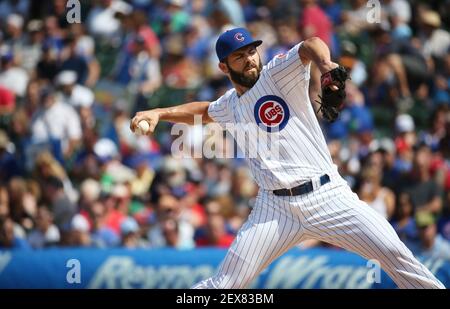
x: 271, y: 113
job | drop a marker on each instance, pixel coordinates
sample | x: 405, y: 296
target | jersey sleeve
x: 287, y: 70
x: 221, y: 111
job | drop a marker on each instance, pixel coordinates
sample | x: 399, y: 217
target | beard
x: 243, y: 80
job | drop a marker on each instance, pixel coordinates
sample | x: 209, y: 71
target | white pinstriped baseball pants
x: 331, y: 213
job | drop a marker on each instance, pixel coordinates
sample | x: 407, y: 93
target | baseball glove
x: 332, y: 101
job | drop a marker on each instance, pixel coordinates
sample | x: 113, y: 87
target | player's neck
x: 240, y: 90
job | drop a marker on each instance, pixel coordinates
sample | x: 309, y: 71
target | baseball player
x: 301, y: 194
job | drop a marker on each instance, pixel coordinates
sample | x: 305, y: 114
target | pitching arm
x: 184, y: 113
x: 315, y: 50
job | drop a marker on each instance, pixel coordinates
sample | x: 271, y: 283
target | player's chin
x: 252, y: 73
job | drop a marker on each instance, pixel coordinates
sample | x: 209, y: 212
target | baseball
x: 143, y: 127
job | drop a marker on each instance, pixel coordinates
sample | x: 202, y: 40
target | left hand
x: 333, y: 92
x: 327, y: 68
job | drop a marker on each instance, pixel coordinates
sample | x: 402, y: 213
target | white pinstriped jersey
x: 279, y: 103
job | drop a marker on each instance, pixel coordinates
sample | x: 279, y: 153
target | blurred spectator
x: 168, y: 208
x: 249, y: 10
x: 243, y: 187
x: 179, y: 18
x: 7, y: 106
x: 54, y: 35
x: 287, y: 37
x: 90, y: 191
x: 144, y: 177
x: 437, y: 128
x: 113, y: 171
x: 145, y: 74
x: 425, y: 193
x: 215, y: 233
x: 85, y: 48
x: 77, y: 233
x: 142, y: 30
x: 399, y: 14
x: 101, y: 234
x: 355, y: 19
x: 443, y: 223
x: 7, y: 238
x: 62, y: 208
x: 23, y: 205
x: 4, y: 202
x: 233, y: 9
x: 192, y: 210
x: 8, y: 7
x: 58, y: 8
x: 46, y: 167
x: 12, y: 76
x: 349, y: 60
x: 314, y: 22
x: 442, y: 83
x: 171, y: 233
x: 400, y: 7
x: 122, y: 196
x: 14, y: 33
x: 76, y: 95
x: 432, y: 245
x: 32, y: 50
x: 9, y: 166
x: 399, y: 66
x: 404, y: 223
x: 373, y: 193
x: 179, y: 71
x: 48, y: 66
x: 404, y: 142
x: 46, y: 233
x: 333, y: 10
x: 196, y: 39
x: 129, y: 229
x: 71, y: 61
x: 218, y: 22
x: 19, y: 132
x: 57, y: 123
x: 383, y: 156
x: 112, y: 217
x: 435, y: 41
x: 101, y: 21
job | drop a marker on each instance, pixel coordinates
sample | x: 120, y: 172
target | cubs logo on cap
x: 239, y: 37
x: 232, y: 40
x: 271, y: 113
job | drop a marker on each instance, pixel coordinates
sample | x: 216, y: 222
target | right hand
x: 151, y: 116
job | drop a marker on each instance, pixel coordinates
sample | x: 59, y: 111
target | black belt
x: 303, y: 188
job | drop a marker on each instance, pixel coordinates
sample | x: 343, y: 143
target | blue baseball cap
x: 232, y: 40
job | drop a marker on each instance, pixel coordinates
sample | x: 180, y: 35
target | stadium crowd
x: 73, y: 174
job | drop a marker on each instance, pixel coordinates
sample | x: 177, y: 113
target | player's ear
x: 223, y: 67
